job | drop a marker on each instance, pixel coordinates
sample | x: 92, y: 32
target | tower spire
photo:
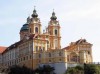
x: 34, y: 13
x: 53, y: 17
x: 53, y: 10
x: 34, y: 7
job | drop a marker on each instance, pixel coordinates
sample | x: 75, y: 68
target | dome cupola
x: 53, y: 17
x: 34, y: 13
x: 24, y: 27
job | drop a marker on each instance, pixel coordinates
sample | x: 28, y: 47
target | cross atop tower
x: 34, y: 7
x: 53, y: 10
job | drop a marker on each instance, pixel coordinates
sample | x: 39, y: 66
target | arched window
x: 55, y: 32
x: 74, y: 57
x: 36, y: 30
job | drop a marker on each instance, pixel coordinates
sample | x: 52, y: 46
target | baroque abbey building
x: 37, y: 49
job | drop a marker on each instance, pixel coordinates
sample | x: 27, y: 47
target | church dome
x: 24, y: 28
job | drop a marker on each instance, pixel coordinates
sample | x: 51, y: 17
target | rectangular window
x: 19, y: 60
x: 36, y: 48
x: 30, y: 56
x: 26, y: 57
x: 40, y: 49
x: 39, y: 55
x: 15, y: 62
x: 39, y: 61
x: 60, y: 53
x: 30, y: 30
x: 49, y: 54
x: 49, y: 60
x: 60, y: 60
x: 68, y: 58
x: 43, y: 48
x: 23, y: 58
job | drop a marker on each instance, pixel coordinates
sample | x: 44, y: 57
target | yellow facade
x: 36, y: 48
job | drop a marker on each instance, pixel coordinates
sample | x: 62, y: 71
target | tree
x: 39, y: 70
x: 20, y: 70
x: 75, y: 70
x: 46, y: 69
x: 86, y: 69
x: 91, y: 69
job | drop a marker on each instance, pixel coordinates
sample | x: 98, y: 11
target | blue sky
x: 78, y: 18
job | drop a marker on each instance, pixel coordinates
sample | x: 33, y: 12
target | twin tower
x: 33, y: 28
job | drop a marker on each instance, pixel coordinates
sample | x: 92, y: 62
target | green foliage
x: 20, y: 70
x: 91, y: 69
x: 74, y: 70
x: 86, y: 69
x: 46, y: 69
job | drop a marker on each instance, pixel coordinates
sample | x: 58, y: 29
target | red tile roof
x: 66, y: 47
x: 2, y: 49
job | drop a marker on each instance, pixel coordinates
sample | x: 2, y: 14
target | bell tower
x: 54, y: 32
x: 35, y: 24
